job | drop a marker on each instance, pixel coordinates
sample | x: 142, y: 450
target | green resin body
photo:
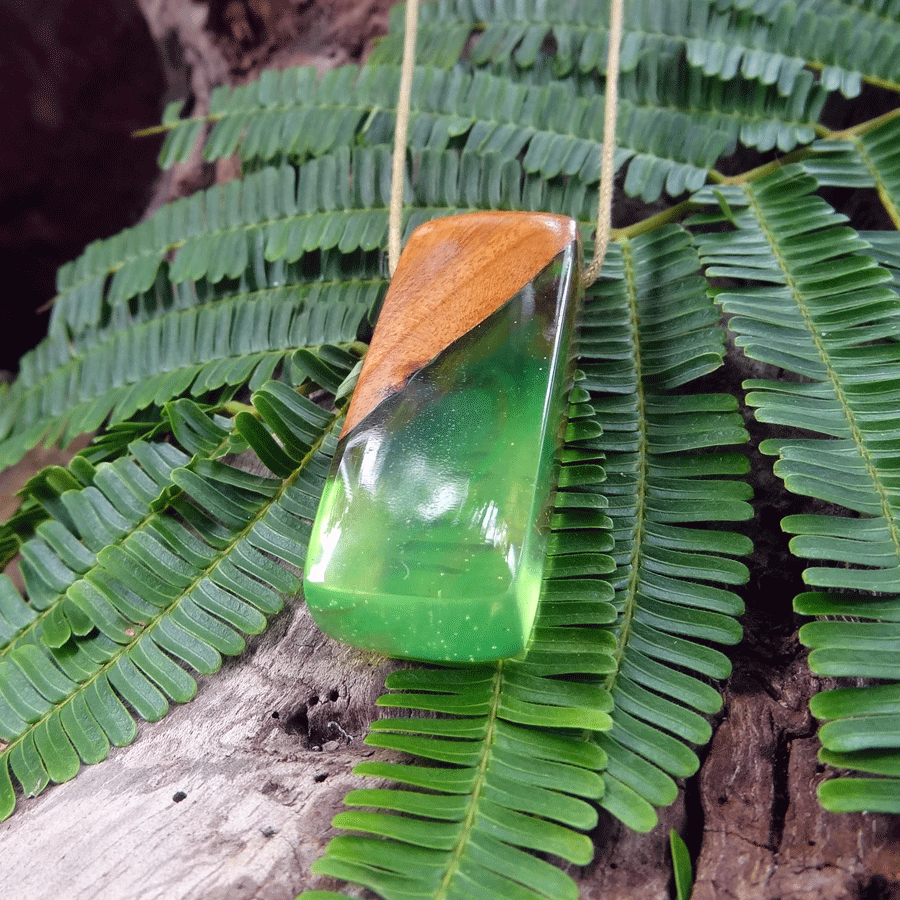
x: 430, y: 538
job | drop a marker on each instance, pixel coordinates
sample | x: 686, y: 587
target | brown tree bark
x: 230, y: 797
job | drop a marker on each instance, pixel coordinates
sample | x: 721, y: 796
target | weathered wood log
x: 228, y: 798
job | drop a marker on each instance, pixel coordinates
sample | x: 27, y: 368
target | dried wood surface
x: 228, y: 798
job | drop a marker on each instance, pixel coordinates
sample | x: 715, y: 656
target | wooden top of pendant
x: 452, y: 274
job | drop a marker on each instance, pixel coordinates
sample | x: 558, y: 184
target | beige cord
x: 607, y: 155
x: 398, y: 161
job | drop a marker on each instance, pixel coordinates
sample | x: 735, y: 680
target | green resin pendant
x: 430, y: 537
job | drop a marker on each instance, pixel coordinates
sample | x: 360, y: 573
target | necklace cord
x: 398, y: 160
x: 607, y: 154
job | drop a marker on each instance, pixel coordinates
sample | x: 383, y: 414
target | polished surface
x: 430, y: 537
x: 453, y: 274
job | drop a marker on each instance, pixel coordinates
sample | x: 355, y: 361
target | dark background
x: 77, y: 77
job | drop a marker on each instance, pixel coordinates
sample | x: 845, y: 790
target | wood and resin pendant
x: 430, y: 537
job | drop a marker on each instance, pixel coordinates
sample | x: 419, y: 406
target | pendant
x: 430, y: 537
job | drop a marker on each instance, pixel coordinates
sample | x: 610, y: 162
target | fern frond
x: 555, y: 124
x: 839, y: 35
x: 254, y: 115
x: 739, y: 109
x: 162, y: 560
x: 648, y: 332
x: 15, y: 614
x: 844, y: 45
x: 189, y: 338
x: 215, y: 232
x: 507, y: 780
x: 884, y: 246
x: 829, y: 313
x: 41, y: 499
x: 625, y: 638
x: 334, y: 204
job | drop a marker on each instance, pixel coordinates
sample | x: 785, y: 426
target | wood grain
x: 453, y: 274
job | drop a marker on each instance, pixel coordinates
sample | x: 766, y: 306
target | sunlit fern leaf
x: 553, y: 124
x: 196, y: 339
x: 162, y: 561
x: 719, y: 39
x: 40, y: 497
x: 821, y: 307
x: 56, y: 684
x: 646, y: 334
x: 64, y: 548
x: 19, y: 527
x: 506, y: 779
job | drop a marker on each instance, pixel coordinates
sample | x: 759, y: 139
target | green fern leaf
x: 160, y: 561
x: 869, y: 159
x: 553, y: 123
x: 193, y: 338
x: 828, y: 312
x: 719, y: 39
x: 657, y: 444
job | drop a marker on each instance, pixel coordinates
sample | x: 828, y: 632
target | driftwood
x: 228, y: 798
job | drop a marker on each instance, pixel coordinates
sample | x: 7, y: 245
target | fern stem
x: 607, y: 155
x: 673, y: 214
x: 802, y: 153
x: 475, y: 795
x: 863, y: 127
x: 630, y: 593
x: 398, y: 160
x: 233, y: 407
